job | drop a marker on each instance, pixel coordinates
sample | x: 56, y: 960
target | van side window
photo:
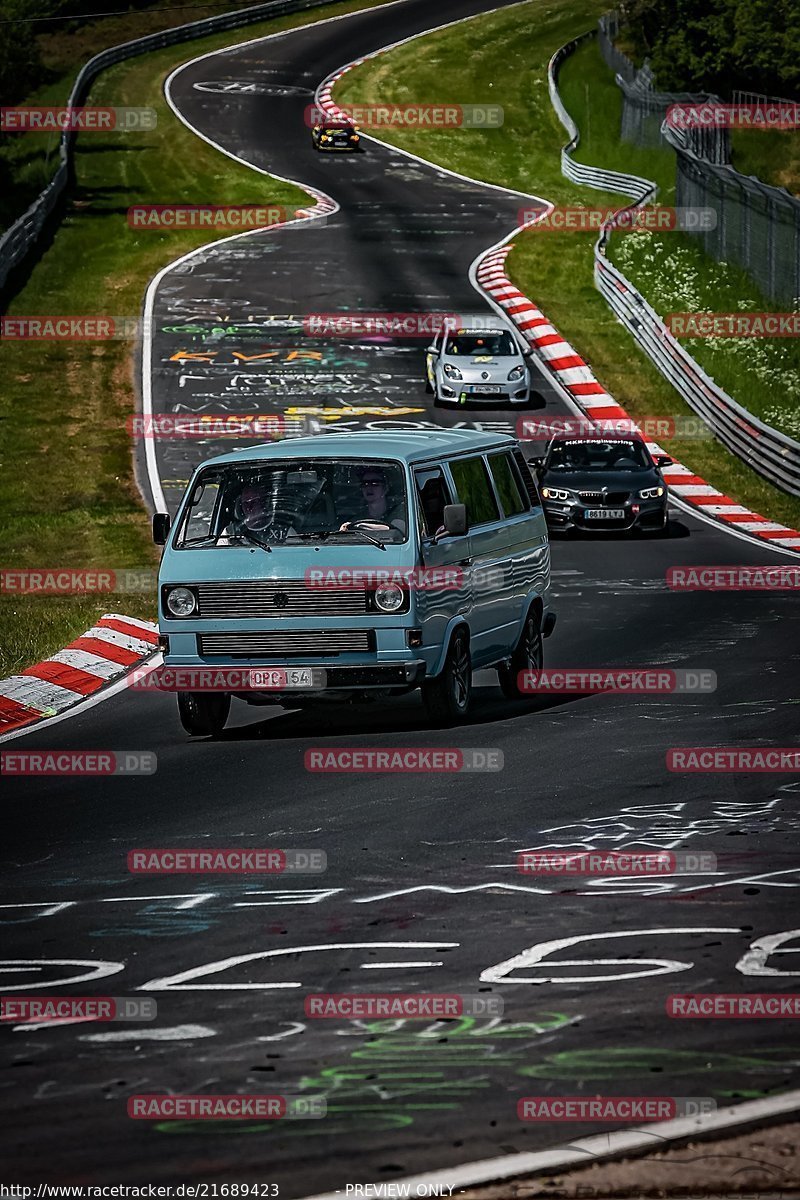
x: 505, y: 481
x: 474, y: 490
x: 528, y: 478
x: 433, y: 494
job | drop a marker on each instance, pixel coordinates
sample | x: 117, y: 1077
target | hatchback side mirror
x: 455, y: 519
x: 161, y: 528
x: 664, y: 460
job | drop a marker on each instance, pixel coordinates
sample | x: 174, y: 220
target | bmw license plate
x: 604, y: 514
x: 276, y: 679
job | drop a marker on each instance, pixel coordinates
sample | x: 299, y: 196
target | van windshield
x: 294, y: 501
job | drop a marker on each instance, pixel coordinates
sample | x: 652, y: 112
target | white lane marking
x: 591, y: 1149
x: 183, y: 980
x: 177, y: 1033
x: 98, y: 970
x: 384, y: 965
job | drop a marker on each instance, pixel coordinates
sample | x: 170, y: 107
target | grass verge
x: 554, y: 269
x: 66, y: 485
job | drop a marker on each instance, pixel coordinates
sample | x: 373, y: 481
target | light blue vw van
x: 354, y: 567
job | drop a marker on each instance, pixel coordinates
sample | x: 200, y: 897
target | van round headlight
x: 389, y: 598
x: 181, y: 602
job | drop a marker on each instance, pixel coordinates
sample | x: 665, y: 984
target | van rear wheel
x: 203, y: 715
x: 528, y: 655
x: 447, y: 696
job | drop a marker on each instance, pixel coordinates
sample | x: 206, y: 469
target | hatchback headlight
x: 180, y: 601
x: 452, y: 372
x: 516, y: 372
x: 651, y: 493
x: 389, y: 598
x: 555, y: 493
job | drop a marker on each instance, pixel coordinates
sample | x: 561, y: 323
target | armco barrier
x: 18, y: 241
x: 772, y: 454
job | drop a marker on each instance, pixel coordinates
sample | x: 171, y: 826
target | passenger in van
x: 379, y: 509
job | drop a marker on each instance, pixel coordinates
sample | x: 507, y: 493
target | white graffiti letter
x: 754, y: 960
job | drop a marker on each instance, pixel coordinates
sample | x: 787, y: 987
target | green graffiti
x: 625, y: 1062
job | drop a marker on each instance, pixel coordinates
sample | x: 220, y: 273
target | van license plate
x: 604, y: 514
x: 276, y: 679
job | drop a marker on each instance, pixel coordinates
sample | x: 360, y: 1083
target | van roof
x: 408, y: 445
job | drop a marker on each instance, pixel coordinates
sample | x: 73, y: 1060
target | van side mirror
x: 161, y: 528
x: 455, y: 519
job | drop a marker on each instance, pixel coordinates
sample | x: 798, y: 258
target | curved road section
x: 422, y: 891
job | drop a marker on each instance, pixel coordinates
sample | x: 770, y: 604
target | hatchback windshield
x: 598, y: 456
x: 495, y: 345
x: 292, y: 501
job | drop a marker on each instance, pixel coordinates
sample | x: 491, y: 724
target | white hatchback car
x: 484, y: 366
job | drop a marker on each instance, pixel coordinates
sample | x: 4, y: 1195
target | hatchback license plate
x: 604, y: 514
x: 279, y: 680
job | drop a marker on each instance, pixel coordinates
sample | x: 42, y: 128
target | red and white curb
x: 576, y: 378
x: 107, y: 650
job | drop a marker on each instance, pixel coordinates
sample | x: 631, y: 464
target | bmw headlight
x: 555, y: 493
x: 651, y: 493
x: 180, y: 601
x: 389, y: 598
x: 452, y: 372
x: 516, y: 372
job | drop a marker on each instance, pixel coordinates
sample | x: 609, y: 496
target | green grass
x: 772, y: 155
x: 66, y: 485
x: 28, y: 161
x: 554, y: 269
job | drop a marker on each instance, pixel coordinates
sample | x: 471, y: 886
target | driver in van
x: 252, y: 513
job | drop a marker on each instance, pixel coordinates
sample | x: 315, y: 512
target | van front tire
x: 447, y: 697
x: 203, y: 714
x: 528, y: 655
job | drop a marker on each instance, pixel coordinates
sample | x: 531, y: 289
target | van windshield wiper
x: 367, y: 536
x: 248, y: 537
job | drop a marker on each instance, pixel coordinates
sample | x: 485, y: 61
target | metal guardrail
x: 772, y: 454
x: 612, y: 181
x: 21, y: 237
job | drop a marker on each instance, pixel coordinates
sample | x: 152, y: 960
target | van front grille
x: 298, y: 643
x: 278, y: 598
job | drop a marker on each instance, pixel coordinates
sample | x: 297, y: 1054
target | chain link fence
x: 758, y: 225
x: 772, y: 454
x: 22, y: 237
